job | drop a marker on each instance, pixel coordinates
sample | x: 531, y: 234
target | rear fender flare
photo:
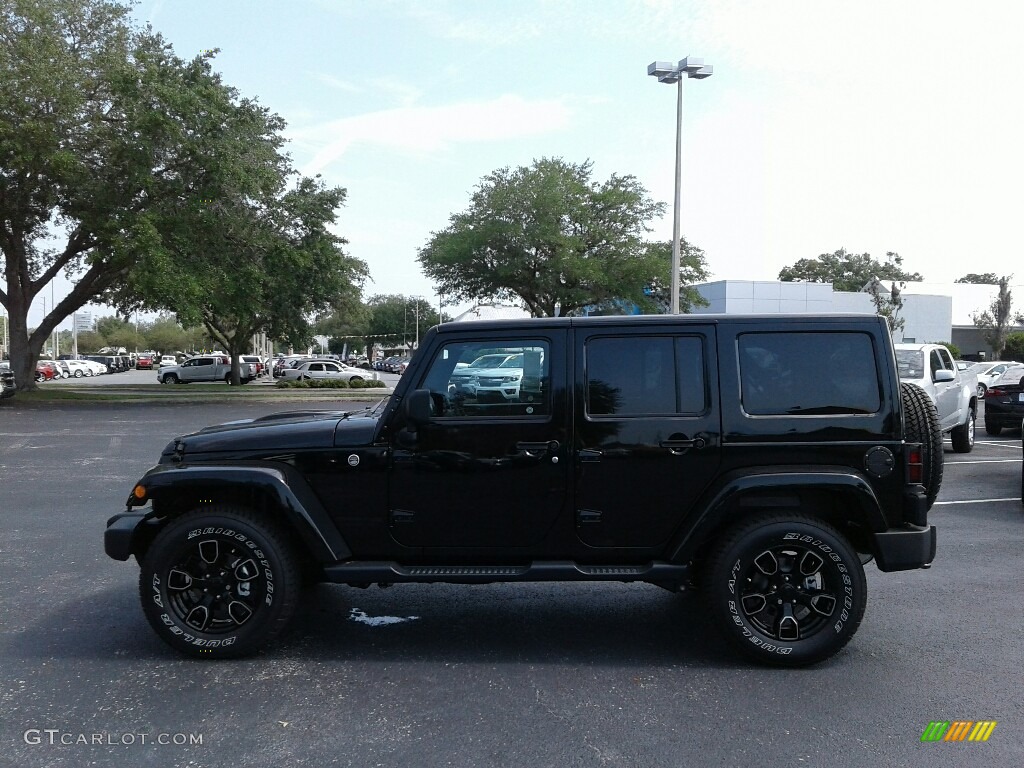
x: 769, y: 490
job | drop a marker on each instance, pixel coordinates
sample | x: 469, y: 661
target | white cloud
x: 419, y: 130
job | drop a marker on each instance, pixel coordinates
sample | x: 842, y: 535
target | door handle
x: 676, y: 447
x: 535, y: 449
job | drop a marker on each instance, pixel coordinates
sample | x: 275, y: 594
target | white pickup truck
x: 203, y: 368
x: 954, y: 392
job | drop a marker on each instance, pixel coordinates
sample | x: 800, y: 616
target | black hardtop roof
x: 655, y: 320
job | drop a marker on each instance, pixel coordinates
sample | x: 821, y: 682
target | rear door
x: 648, y: 431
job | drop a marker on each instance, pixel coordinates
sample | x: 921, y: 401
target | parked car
x: 256, y: 362
x: 144, y: 362
x: 323, y: 369
x: 989, y: 372
x: 79, y: 368
x: 653, y: 456
x: 464, y: 377
x: 7, y: 383
x: 954, y: 392
x: 1004, y: 401
x: 46, y: 371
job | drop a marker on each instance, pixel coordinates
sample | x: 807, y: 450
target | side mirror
x: 419, y: 407
x: 944, y: 375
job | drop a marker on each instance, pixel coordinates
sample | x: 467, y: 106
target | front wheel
x: 78, y: 373
x: 219, y: 582
x: 170, y: 378
x: 787, y: 590
x: 963, y: 435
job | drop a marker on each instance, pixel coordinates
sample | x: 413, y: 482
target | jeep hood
x: 296, y: 430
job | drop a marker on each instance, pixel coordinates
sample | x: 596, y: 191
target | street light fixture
x: 667, y: 72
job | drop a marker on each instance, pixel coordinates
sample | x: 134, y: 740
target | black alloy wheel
x: 787, y: 590
x: 219, y: 582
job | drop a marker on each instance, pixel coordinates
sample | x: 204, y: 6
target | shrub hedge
x: 330, y: 384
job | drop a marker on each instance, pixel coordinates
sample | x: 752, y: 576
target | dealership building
x: 933, y: 312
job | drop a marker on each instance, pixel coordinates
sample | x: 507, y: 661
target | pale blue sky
x: 873, y: 126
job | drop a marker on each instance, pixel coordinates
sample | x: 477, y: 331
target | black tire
x: 991, y: 428
x: 356, y: 378
x: 170, y: 378
x: 982, y: 389
x: 921, y: 425
x: 786, y: 589
x: 245, y: 559
x: 963, y: 435
x: 78, y: 373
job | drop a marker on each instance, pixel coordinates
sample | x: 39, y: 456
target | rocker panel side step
x: 389, y: 572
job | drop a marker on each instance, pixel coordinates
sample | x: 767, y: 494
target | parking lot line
x: 975, y: 501
x: 982, y: 461
x: 1003, y: 444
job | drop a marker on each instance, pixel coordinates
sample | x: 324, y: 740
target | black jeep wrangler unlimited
x: 761, y: 460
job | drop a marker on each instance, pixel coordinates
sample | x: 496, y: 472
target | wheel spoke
x: 209, y: 550
x: 786, y: 626
x: 179, y: 581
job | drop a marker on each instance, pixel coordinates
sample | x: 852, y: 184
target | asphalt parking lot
x: 503, y: 675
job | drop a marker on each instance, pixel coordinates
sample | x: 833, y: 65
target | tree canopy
x: 550, y: 236
x: 161, y: 186
x: 986, y: 278
x: 848, y: 271
x: 996, y: 320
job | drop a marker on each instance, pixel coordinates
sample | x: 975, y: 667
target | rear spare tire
x: 921, y: 425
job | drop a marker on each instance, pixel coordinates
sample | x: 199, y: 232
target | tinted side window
x: 641, y: 375
x: 512, y: 379
x: 808, y: 373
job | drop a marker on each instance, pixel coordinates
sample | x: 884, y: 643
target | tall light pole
x: 667, y: 72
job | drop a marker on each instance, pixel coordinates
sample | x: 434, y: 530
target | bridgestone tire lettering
x: 220, y: 582
x: 750, y: 571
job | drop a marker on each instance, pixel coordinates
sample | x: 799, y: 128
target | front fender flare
x: 286, y: 486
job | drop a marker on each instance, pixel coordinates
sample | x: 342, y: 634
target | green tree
x: 848, y: 271
x: 1014, y: 347
x: 954, y: 350
x: 165, y: 335
x: 89, y: 342
x: 987, y: 278
x: 888, y: 303
x: 261, y: 258
x: 120, y: 333
x: 394, y: 319
x: 996, y: 320
x: 105, y: 137
x: 551, y: 237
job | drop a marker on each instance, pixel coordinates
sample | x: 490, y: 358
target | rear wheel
x: 219, y: 582
x: 787, y: 590
x: 921, y: 425
x: 170, y: 378
x: 78, y: 373
x: 991, y: 428
x: 981, y: 391
x: 963, y: 436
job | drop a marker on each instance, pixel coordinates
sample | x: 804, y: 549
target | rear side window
x: 808, y: 373
x: 645, y: 375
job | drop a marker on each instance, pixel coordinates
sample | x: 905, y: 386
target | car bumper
x: 905, y: 548
x: 128, y: 533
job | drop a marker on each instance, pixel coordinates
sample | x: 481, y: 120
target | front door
x: 648, y: 432
x: 490, y: 468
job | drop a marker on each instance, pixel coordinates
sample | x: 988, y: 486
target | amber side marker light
x: 139, y: 492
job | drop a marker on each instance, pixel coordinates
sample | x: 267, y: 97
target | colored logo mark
x: 959, y: 730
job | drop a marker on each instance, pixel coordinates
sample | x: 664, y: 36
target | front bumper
x: 127, y: 532
x: 906, y: 548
